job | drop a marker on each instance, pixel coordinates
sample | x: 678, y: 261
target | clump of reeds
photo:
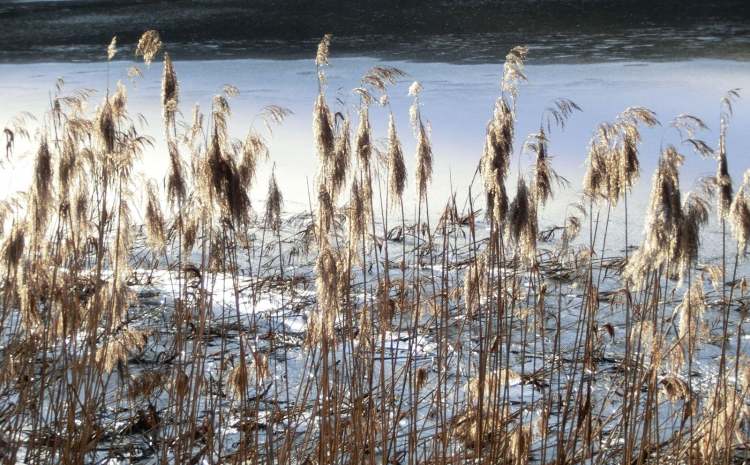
x: 474, y: 342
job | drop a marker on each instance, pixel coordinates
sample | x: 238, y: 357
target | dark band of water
x: 462, y: 31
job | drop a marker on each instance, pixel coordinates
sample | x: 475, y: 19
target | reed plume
x: 123, y: 239
x: 571, y: 231
x: 543, y: 174
x: 522, y: 221
x: 14, y: 247
x: 41, y: 197
x: 357, y: 215
x: 43, y: 173
x: 254, y: 149
x: 155, y: 224
x: 321, y: 57
x: 396, y: 166
x: 362, y: 140
x: 323, y: 130
x: 67, y: 167
x: 169, y: 92
x: 690, y: 314
x: 176, y: 182
x: 628, y: 166
x: 664, y: 220
x: 225, y: 182
x: 739, y: 215
x: 325, y: 209
x: 336, y: 172
x: 475, y: 288
x: 327, y: 286
x: 694, y: 216
x: 723, y: 180
x: 513, y: 70
x: 274, y: 202
x: 495, y: 162
x: 423, y: 172
x: 112, y: 48
x: 148, y: 46
x: 106, y: 127
x: 596, y: 180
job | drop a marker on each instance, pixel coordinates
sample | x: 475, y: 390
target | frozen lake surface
x: 457, y: 102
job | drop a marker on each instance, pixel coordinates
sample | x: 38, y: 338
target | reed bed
x: 182, y: 321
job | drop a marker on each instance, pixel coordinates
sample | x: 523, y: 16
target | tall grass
x: 197, y: 327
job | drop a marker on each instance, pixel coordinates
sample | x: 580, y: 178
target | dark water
x: 457, y: 31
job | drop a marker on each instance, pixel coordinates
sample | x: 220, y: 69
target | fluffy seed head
x: 415, y: 89
x: 542, y: 185
x: 14, y: 246
x: 148, y: 46
x: 254, y: 149
x: 323, y: 130
x: 357, y: 215
x: 739, y: 215
x: 336, y: 172
x: 325, y: 209
x: 664, y: 221
x: 423, y: 172
x: 687, y: 244
x: 169, y: 91
x: 326, y: 283
x: 106, y: 127
x: 227, y: 188
x: 321, y: 57
x: 155, y: 229
x: 396, y: 166
x: 723, y: 180
x: 513, y: 70
x: 274, y: 202
x: 495, y: 161
x: 43, y: 172
x: 176, y: 186
x: 522, y: 221
x: 112, y: 48
x: 363, y: 143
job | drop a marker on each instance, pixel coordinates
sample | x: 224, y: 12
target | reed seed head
x: 363, y: 143
x: 148, y: 46
x: 396, y: 166
x: 423, y: 173
x: 112, y: 49
x: 169, y: 91
x: 274, y: 202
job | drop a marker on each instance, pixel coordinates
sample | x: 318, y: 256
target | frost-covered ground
x: 272, y: 309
